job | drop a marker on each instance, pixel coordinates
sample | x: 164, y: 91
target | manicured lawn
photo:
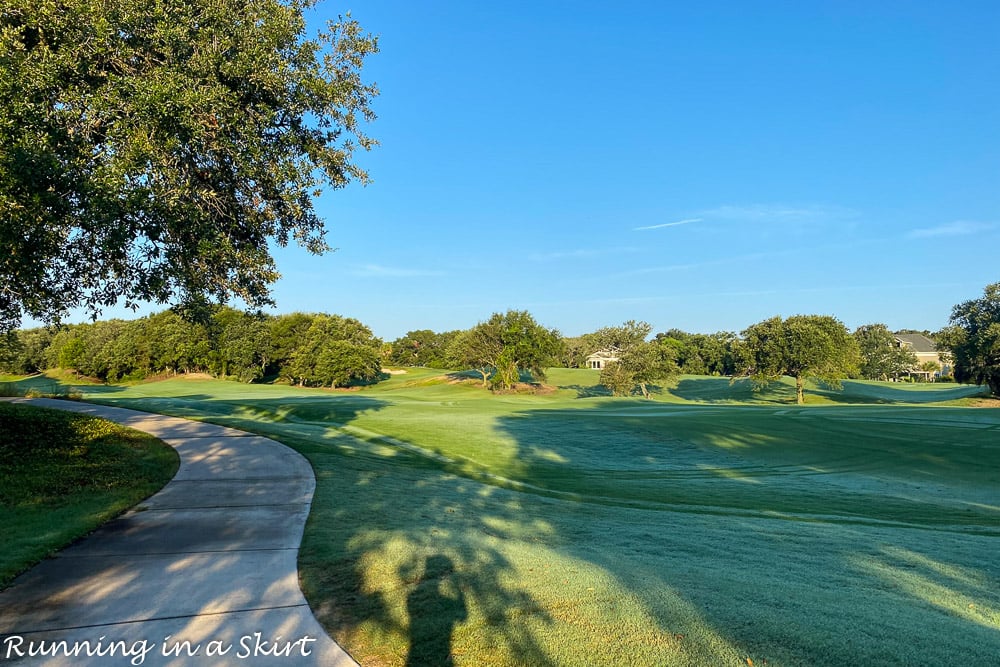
x: 705, y: 527
x: 65, y: 474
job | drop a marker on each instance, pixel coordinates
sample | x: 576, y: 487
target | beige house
x: 602, y: 358
x: 925, y: 350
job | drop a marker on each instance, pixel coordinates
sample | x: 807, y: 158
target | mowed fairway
x: 705, y: 527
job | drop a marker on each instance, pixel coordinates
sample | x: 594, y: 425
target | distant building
x: 925, y: 350
x: 602, y: 358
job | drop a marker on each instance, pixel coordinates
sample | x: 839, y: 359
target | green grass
x: 55, y: 383
x: 720, y: 390
x: 64, y: 474
x: 707, y: 526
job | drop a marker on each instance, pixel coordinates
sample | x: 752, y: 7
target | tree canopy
x: 881, y: 357
x: 802, y: 346
x: 701, y: 354
x: 152, y: 150
x: 422, y: 347
x: 301, y: 348
x: 506, y: 345
x: 974, y: 339
x: 334, y: 351
x: 576, y: 349
x: 640, y: 362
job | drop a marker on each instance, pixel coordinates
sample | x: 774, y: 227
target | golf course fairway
x: 709, y: 526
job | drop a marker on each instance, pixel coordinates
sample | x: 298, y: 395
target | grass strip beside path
x: 64, y: 474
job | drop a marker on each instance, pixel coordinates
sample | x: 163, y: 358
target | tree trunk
x: 799, y: 384
x: 645, y: 392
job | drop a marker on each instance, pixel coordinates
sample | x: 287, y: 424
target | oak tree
x: 640, y: 362
x: 974, y: 339
x: 152, y: 150
x: 802, y: 346
x: 506, y: 345
x: 881, y: 356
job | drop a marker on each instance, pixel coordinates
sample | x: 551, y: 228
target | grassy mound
x: 64, y: 474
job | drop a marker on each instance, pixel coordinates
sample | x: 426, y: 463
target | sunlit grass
x: 570, y: 528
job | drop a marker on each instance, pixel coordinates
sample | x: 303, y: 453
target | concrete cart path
x: 209, y: 560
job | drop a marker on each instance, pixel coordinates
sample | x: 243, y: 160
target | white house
x: 602, y: 358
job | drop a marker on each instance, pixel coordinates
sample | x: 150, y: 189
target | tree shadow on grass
x: 592, y: 391
x: 354, y: 384
x: 677, y: 522
x: 398, y: 548
x: 516, y: 560
x: 43, y: 385
x: 256, y: 414
x: 402, y: 555
x: 600, y: 391
x: 724, y: 390
x: 435, y: 606
x: 862, y: 393
x: 602, y: 495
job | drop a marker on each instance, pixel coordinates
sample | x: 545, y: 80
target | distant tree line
x: 422, y: 348
x: 311, y: 349
x: 307, y: 349
x: 507, y: 348
x: 694, y: 353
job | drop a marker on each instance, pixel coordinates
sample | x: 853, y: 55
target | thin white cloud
x: 722, y: 261
x: 378, y: 271
x: 956, y: 228
x: 776, y: 213
x: 759, y: 212
x: 580, y: 253
x: 750, y: 257
x: 688, y: 221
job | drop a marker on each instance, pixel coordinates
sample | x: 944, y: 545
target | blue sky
x: 695, y: 165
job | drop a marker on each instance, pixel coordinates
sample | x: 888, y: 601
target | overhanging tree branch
x: 151, y: 150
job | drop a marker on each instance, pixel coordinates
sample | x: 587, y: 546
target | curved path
x: 210, y: 560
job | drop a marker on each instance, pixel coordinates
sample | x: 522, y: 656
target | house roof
x: 917, y: 342
x: 605, y: 353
